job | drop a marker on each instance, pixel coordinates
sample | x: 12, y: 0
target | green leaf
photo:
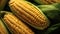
x: 51, y: 11
x: 52, y: 28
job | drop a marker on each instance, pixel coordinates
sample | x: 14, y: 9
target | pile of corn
x: 24, y: 17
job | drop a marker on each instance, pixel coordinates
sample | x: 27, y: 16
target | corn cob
x: 15, y: 25
x: 29, y: 13
x: 47, y: 1
x: 2, y: 3
x: 3, y: 29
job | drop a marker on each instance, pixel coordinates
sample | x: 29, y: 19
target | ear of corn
x: 15, y: 25
x: 47, y: 1
x: 3, y: 29
x: 29, y: 13
x: 2, y: 3
x: 51, y: 11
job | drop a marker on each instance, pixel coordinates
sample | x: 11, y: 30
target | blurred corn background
x: 29, y: 16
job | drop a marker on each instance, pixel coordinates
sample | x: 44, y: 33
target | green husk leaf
x: 51, y: 11
x: 4, y: 30
x: 53, y: 28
